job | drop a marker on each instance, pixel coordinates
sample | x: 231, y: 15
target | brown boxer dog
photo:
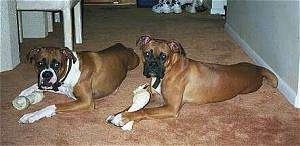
x: 180, y: 80
x: 82, y: 76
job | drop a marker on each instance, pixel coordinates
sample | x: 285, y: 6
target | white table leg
x: 68, y: 35
x: 50, y: 21
x: 57, y: 17
x: 20, y: 26
x: 78, y: 23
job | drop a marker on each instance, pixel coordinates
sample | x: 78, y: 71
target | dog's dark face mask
x: 154, y: 66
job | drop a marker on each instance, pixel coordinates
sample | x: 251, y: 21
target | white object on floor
x: 37, y: 115
x: 166, y: 8
x: 193, y: 4
x: 22, y: 102
x: 162, y: 7
x: 157, y: 8
x: 176, y: 7
x: 66, y: 7
x: 190, y: 9
x: 140, y: 99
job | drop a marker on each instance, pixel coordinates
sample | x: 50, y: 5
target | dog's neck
x: 73, y: 74
x: 158, y: 87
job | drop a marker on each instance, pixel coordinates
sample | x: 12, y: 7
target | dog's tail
x: 270, y: 76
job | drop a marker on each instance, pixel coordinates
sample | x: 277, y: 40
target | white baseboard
x: 283, y: 87
x: 297, y: 102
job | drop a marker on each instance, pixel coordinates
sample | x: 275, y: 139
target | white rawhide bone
x: 22, y: 102
x: 140, y: 99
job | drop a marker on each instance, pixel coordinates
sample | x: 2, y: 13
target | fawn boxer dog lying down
x: 178, y: 80
x: 82, y: 76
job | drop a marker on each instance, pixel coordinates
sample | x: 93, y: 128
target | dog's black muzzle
x: 44, y: 82
x: 154, y: 67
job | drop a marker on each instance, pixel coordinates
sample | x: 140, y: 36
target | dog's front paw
x: 35, y: 116
x: 116, y: 120
x: 120, y: 121
x: 128, y: 126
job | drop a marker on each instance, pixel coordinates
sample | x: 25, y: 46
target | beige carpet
x: 261, y: 118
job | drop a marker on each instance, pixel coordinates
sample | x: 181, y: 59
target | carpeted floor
x: 261, y: 118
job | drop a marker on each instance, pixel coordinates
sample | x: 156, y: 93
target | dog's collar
x: 69, y: 66
x: 156, y: 83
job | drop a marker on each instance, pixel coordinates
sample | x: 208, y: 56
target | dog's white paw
x: 116, y: 120
x: 35, y: 116
x: 127, y: 126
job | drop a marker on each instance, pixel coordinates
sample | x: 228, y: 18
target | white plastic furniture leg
x: 68, y: 34
x: 20, y: 27
x: 50, y: 21
x: 78, y: 23
x: 57, y: 17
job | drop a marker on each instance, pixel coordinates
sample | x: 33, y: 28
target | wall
x: 9, y: 46
x: 269, y: 32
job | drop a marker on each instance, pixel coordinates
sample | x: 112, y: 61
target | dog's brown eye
x: 56, y: 65
x: 40, y: 64
x: 147, y: 54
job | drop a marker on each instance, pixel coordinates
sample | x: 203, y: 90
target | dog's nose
x: 153, y: 64
x: 47, y: 74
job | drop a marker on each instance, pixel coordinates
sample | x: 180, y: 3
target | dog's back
x: 127, y: 54
x: 108, y: 68
x: 215, y: 82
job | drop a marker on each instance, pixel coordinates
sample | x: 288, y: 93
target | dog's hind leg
x: 84, y: 99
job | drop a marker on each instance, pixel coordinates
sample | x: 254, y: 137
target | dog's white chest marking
x: 71, y: 80
x: 74, y: 74
x: 158, y: 89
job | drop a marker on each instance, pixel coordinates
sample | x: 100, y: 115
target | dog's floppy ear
x: 176, y: 47
x: 67, y: 53
x: 143, y: 40
x: 31, y: 55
